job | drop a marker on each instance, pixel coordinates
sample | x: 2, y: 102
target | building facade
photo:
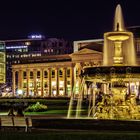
x: 34, y: 47
x: 2, y: 63
x: 43, y: 79
x: 60, y: 77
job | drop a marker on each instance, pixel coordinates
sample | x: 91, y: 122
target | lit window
x: 19, y: 50
x: 24, y: 85
x: 53, y: 83
x: 38, y: 84
x: 31, y: 85
x: 61, y: 84
x: 27, y: 43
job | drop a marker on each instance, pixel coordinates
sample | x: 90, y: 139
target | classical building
x: 43, y: 79
x: 56, y: 75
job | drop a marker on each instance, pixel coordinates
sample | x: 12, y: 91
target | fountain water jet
x: 118, y: 19
x: 80, y: 98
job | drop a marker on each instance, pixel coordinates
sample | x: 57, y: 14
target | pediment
x: 85, y: 51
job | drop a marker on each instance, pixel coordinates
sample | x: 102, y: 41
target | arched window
x: 45, y: 74
x: 31, y: 75
x: 38, y: 74
x: 24, y: 75
x: 60, y: 73
x: 53, y: 73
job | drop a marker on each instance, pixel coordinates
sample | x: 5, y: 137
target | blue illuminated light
x: 36, y: 36
x: 15, y: 47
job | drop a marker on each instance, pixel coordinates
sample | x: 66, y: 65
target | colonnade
x: 39, y: 84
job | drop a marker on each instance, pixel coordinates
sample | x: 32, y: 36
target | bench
x: 7, y: 122
x: 16, y: 122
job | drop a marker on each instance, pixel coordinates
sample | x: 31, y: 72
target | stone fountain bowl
x: 111, y: 70
x: 121, y: 36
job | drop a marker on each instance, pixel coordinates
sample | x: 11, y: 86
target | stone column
x: 28, y: 76
x: 65, y: 81
x: 20, y: 79
x: 57, y: 81
x: 80, y: 83
x: 50, y: 81
x: 93, y: 99
x: 14, y: 82
x: 35, y: 81
x: 42, y: 82
x: 72, y: 80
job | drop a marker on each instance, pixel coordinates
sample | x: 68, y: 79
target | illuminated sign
x: 15, y: 47
x: 36, y: 36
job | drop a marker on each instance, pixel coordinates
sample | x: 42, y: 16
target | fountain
x: 114, y: 86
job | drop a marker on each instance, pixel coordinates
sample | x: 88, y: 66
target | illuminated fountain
x: 115, y: 86
x: 118, y: 44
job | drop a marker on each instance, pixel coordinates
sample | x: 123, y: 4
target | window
x: 31, y: 85
x: 38, y: 84
x: 68, y: 72
x: 38, y: 74
x: 31, y: 75
x: 24, y: 75
x: 68, y: 82
x: 53, y: 73
x: 60, y: 73
x: 45, y: 74
x: 45, y: 85
x: 24, y: 85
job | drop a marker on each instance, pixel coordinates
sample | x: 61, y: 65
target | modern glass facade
x: 2, y: 62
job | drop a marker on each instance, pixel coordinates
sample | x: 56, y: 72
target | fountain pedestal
x: 117, y: 38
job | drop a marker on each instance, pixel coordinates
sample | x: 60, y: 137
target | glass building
x: 2, y: 63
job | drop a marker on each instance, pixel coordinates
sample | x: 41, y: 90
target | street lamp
x: 20, y: 92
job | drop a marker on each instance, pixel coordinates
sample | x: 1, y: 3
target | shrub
x: 36, y: 108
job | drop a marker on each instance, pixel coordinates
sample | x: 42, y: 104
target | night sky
x: 68, y: 19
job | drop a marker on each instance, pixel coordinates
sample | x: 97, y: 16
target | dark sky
x: 69, y: 19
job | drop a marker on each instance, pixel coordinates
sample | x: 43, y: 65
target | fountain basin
x: 121, y: 36
x: 86, y: 124
x: 103, y: 71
